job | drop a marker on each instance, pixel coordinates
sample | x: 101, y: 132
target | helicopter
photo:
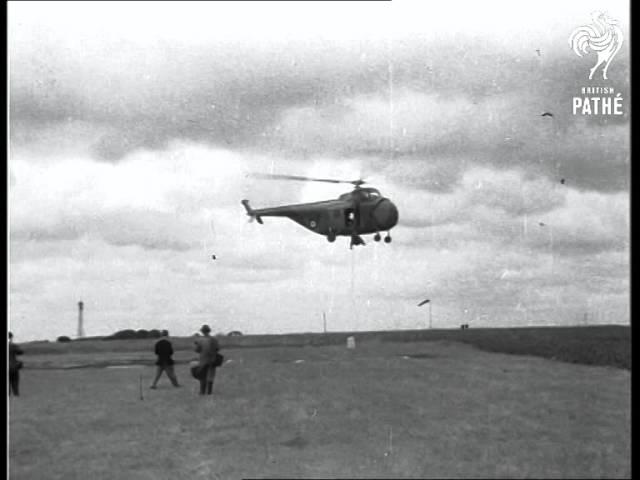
x: 359, y: 212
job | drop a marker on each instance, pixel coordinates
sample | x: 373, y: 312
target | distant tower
x: 80, y: 328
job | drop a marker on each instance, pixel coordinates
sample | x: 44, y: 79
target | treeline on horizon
x: 128, y: 334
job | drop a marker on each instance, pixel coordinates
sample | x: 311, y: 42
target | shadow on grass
x: 420, y: 356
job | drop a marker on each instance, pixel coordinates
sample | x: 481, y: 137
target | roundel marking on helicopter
x: 313, y: 224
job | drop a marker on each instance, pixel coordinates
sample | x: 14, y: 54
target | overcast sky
x: 133, y: 127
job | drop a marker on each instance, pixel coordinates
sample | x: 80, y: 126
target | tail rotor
x: 252, y: 215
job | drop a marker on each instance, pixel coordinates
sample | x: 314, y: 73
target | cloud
x: 506, y: 208
x: 146, y: 229
x: 483, y: 196
x: 429, y: 140
x: 590, y: 223
x: 456, y: 101
x: 150, y: 200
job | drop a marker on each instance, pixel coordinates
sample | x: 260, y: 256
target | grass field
x: 390, y: 408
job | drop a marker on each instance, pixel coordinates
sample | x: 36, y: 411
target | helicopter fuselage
x: 362, y: 211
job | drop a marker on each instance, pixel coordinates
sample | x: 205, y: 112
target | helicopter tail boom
x: 251, y: 212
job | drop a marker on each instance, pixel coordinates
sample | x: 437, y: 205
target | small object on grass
x: 141, y: 396
x: 296, y: 442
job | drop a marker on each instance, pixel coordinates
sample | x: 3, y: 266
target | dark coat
x: 164, y: 350
x: 14, y: 351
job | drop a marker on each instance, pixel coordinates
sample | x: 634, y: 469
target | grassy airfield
x: 421, y: 404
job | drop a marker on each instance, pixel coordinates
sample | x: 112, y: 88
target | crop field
x: 397, y: 406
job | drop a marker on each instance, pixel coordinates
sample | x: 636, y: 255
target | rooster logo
x: 603, y: 36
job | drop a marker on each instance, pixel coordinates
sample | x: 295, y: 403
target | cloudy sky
x: 133, y: 128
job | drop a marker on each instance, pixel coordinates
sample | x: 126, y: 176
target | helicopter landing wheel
x: 377, y: 237
x: 331, y: 237
x: 387, y: 239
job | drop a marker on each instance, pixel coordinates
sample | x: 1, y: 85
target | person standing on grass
x: 164, y: 350
x: 208, y: 347
x: 14, y: 367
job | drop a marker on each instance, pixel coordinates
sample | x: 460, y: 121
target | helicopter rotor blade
x: 275, y: 176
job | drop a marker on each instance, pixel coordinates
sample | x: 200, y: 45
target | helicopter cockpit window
x: 365, y: 195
